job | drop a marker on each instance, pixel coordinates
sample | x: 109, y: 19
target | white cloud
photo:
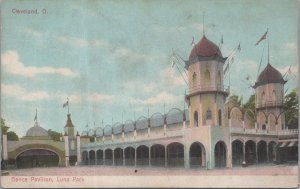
x: 33, y: 32
x: 293, y: 70
x: 159, y: 98
x: 170, y: 78
x: 99, y: 97
x: 12, y: 64
x: 199, y: 28
x: 128, y: 55
x: 291, y: 47
x: 79, y: 42
x: 138, y: 85
x: 22, y: 94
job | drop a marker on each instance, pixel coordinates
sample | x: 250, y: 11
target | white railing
x: 259, y: 131
x: 211, y: 87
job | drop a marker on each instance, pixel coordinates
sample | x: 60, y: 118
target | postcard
x: 160, y: 94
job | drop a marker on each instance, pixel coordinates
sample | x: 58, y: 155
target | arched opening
x: 263, y: 127
x: 220, y: 117
x: 220, y: 154
x: 37, y: 158
x: 207, y: 75
x: 272, y: 151
x: 219, y: 79
x: 85, y: 158
x: 175, y: 154
x: 195, y: 119
x: 263, y: 98
x: 92, y: 157
x: 237, y: 152
x: 272, y: 122
x: 250, y: 152
x: 99, y: 157
x: 194, y: 79
x: 118, y: 156
x: 274, y: 96
x: 262, y: 155
x: 108, y: 157
x: 208, y: 117
x: 142, y: 155
x: 129, y: 156
x: 157, y: 155
x: 197, y: 155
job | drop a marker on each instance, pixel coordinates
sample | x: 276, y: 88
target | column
x: 123, y: 157
x: 113, y: 157
x: 243, y: 125
x: 256, y: 155
x: 95, y: 138
x: 186, y: 157
x: 4, y: 146
x: 229, y: 120
x: 78, y: 148
x: 229, y: 156
x: 244, y: 152
x: 96, y: 160
x: 149, y: 131
x: 112, y: 137
x: 150, y: 156
x: 103, y: 138
x: 123, y: 135
x: 135, y: 157
x: 268, y: 159
x: 184, y: 125
x: 103, y: 156
x: 66, y: 140
x: 166, y: 156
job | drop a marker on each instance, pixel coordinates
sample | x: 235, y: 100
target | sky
x: 112, y: 58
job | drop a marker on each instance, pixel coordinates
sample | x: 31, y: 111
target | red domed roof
x: 205, y: 48
x: 269, y: 75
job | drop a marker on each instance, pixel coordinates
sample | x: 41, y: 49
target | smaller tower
x: 269, y: 92
x: 69, y: 127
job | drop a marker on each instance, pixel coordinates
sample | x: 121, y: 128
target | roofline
x: 204, y: 58
x: 257, y: 84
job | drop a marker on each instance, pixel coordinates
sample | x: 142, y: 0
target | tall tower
x: 206, y: 96
x: 69, y: 127
x: 269, y: 91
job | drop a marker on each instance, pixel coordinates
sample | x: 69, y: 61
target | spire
x: 69, y: 121
x: 203, y: 24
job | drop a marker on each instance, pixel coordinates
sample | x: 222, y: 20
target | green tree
x: 12, y: 136
x: 250, y: 105
x: 235, y: 100
x: 291, y: 108
x: 54, y: 135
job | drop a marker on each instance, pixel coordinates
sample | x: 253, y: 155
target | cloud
x: 79, y: 42
x: 200, y: 27
x: 293, y: 70
x: 33, y: 32
x: 12, y: 64
x: 127, y: 55
x: 138, y: 85
x: 99, y: 97
x: 170, y: 78
x: 290, y: 47
x: 160, y: 98
x: 22, y: 94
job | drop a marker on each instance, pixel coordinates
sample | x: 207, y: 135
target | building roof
x: 69, y: 121
x: 269, y: 75
x: 205, y: 48
x: 37, y: 131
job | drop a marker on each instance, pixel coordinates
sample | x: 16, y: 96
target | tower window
x: 263, y: 97
x: 208, y: 114
x: 220, y: 117
x: 194, y: 79
x: 274, y: 95
x: 263, y: 127
x: 196, y: 119
x: 219, y: 78
x: 207, y: 75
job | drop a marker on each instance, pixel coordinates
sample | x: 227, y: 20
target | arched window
x: 207, y: 75
x: 274, y: 96
x: 208, y: 114
x: 219, y: 79
x: 263, y: 127
x: 220, y: 117
x: 263, y: 100
x: 196, y: 119
x: 194, y: 79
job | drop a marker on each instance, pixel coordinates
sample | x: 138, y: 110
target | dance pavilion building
x: 211, y: 133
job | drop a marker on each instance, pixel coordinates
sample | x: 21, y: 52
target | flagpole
x: 68, y: 106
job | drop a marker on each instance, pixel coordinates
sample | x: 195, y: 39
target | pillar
x: 135, y: 157
x: 256, y: 155
x: 166, y: 156
x: 268, y: 159
x: 95, y: 138
x: 123, y: 136
x: 4, y: 146
x: 113, y: 157
x: 229, y: 156
x: 186, y: 157
x: 112, y: 137
x: 103, y: 156
x: 66, y: 139
x: 244, y: 152
x: 96, y: 159
x: 149, y: 131
x: 150, y: 156
x: 244, y: 125
x: 103, y: 138
x: 184, y: 125
x: 229, y: 120
x: 78, y: 148
x: 123, y: 157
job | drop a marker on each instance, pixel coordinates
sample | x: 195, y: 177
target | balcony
x: 239, y: 130
x: 269, y: 104
x: 208, y: 88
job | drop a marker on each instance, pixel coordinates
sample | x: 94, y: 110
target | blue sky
x: 112, y: 58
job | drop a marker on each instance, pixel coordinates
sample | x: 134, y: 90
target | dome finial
x: 35, y: 117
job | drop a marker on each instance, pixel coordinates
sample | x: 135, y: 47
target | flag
x: 262, y: 38
x: 239, y: 47
x: 66, y: 104
x: 193, y: 42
